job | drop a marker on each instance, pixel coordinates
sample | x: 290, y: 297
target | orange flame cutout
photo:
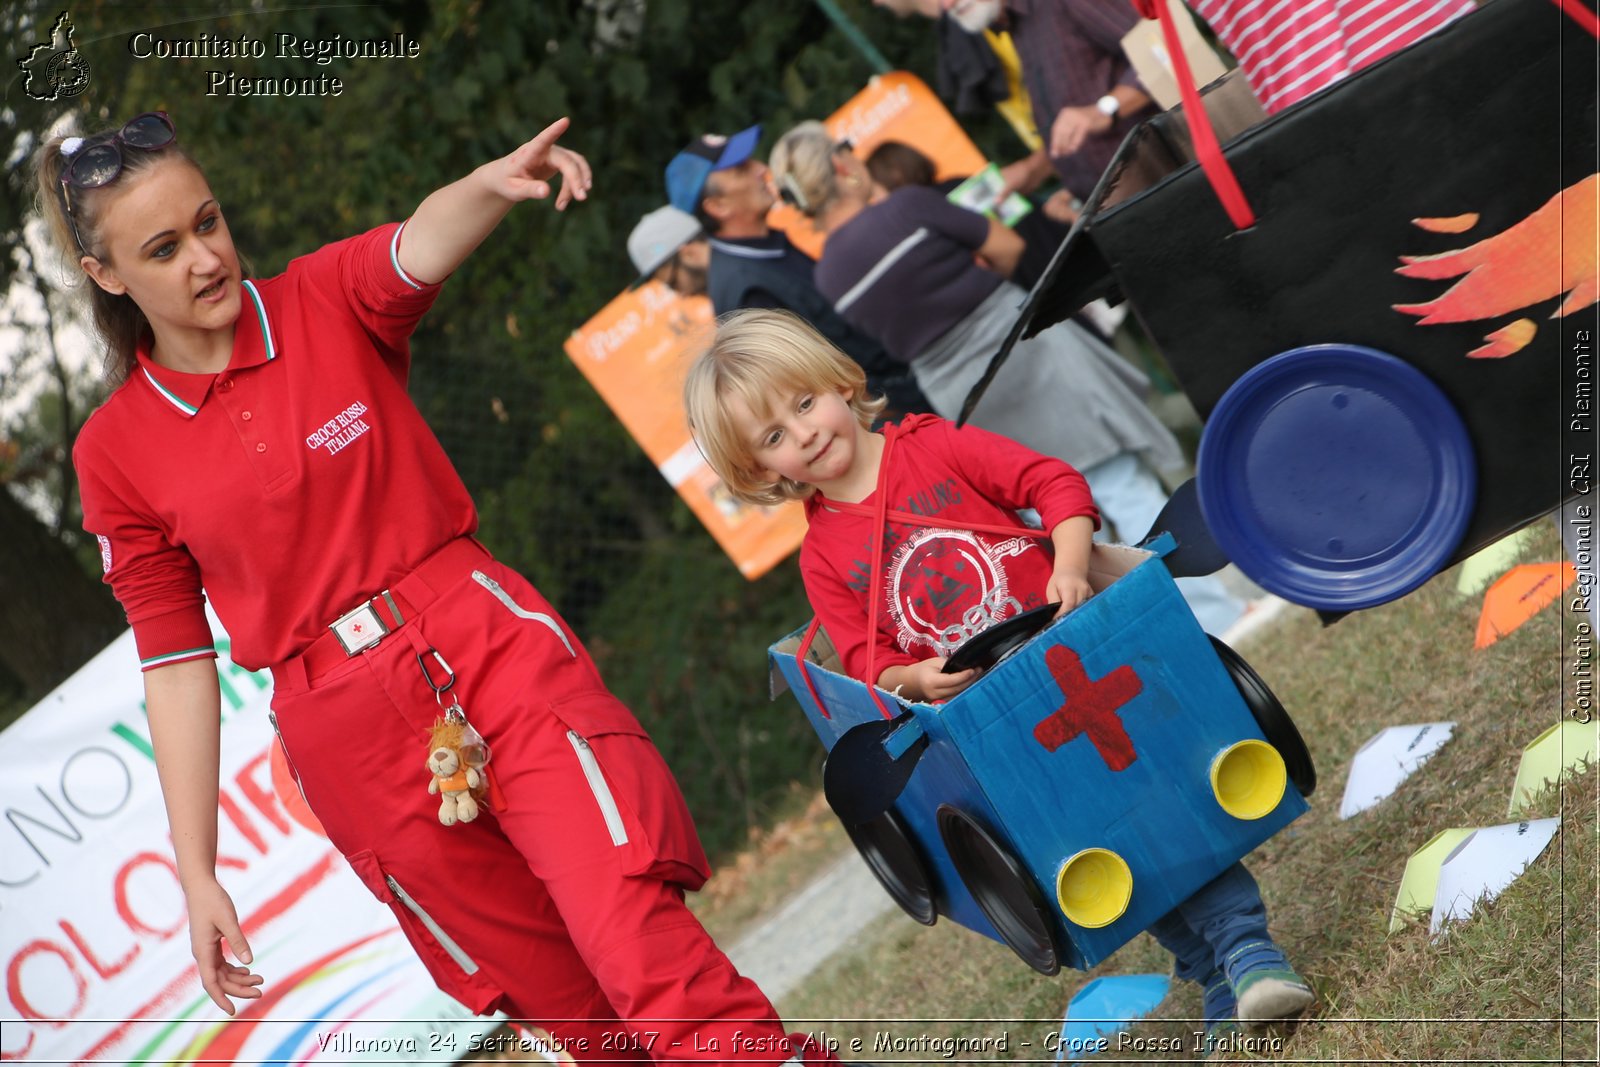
x: 1506, y: 340
x: 1453, y: 224
x: 1547, y: 254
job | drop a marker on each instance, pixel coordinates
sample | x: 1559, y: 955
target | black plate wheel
x: 1002, y: 888
x: 897, y: 864
x: 1270, y: 715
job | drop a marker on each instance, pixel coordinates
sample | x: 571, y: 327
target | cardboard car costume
x: 1085, y: 785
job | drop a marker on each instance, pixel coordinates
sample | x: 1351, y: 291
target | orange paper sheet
x: 1519, y: 595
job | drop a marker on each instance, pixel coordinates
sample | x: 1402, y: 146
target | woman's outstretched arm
x: 454, y: 220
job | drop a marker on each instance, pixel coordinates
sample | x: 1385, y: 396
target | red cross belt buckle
x: 359, y: 628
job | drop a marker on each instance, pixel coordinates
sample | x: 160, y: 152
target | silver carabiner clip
x: 427, y: 673
x: 453, y: 712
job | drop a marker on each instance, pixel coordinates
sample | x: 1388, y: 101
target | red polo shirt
x: 292, y: 485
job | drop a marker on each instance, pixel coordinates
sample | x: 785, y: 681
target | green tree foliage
x: 564, y: 493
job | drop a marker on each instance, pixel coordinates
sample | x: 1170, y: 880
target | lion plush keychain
x: 456, y: 761
x: 458, y: 756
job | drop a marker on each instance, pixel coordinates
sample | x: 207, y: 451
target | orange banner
x: 636, y: 350
x: 635, y: 353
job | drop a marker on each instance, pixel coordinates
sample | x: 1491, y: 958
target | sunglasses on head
x: 97, y: 161
x: 789, y: 189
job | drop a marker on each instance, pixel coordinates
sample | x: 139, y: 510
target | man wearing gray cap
x: 668, y: 246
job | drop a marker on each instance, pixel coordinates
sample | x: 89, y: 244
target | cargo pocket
x: 453, y: 970
x: 631, y: 788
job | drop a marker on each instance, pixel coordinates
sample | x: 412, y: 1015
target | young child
x: 783, y: 415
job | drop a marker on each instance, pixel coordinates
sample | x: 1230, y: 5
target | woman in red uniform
x: 260, y: 445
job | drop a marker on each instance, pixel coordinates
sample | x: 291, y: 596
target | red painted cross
x: 1090, y: 708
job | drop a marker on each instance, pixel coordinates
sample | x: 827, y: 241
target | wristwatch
x: 1108, y: 106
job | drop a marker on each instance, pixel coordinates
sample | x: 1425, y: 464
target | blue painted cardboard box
x: 1099, y: 735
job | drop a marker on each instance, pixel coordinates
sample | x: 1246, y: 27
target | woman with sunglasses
x: 260, y: 446
x: 905, y: 269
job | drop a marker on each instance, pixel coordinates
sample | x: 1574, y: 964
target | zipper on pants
x: 283, y: 746
x: 453, y: 950
x: 521, y: 612
x: 598, y: 786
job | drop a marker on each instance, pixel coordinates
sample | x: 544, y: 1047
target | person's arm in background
x: 185, y: 709
x: 1062, y: 207
x: 1074, y: 125
x: 1001, y: 250
x: 1101, y: 25
x: 1026, y: 174
x: 454, y: 220
x: 991, y: 242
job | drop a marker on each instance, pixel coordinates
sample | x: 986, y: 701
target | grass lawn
x: 1515, y: 983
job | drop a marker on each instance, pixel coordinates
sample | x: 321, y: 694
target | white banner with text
x: 93, y: 929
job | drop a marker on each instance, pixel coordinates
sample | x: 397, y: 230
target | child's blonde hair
x: 758, y: 353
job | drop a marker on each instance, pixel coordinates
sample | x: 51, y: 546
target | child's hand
x: 1069, y: 579
x: 926, y: 680
x: 1069, y: 589
x: 526, y: 173
x: 936, y: 685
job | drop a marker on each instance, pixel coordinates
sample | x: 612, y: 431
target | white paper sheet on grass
x: 1485, y: 863
x: 1388, y: 759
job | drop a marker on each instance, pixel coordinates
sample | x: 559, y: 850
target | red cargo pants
x: 565, y: 906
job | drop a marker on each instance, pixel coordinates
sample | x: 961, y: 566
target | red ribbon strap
x: 805, y: 668
x: 1581, y: 15
x: 875, y: 584
x: 1206, y: 149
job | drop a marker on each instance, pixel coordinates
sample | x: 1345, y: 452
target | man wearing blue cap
x: 719, y: 181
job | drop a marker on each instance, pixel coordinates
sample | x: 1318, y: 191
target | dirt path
x: 780, y: 950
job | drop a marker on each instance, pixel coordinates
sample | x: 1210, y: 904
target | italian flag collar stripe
x: 266, y: 340
x: 261, y: 316
x: 172, y: 398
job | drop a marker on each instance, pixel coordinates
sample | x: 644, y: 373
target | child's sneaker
x: 1221, y: 1013
x: 1266, y: 987
x: 1218, y: 1005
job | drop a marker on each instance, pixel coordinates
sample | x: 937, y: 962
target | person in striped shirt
x: 1290, y: 49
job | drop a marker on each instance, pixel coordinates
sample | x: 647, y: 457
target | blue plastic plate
x: 1336, y: 476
